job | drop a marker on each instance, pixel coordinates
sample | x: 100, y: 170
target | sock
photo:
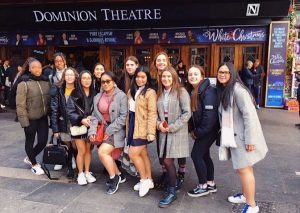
x: 181, y: 169
x: 119, y: 173
x: 164, y: 169
x: 211, y: 183
x: 112, y: 177
x: 203, y: 186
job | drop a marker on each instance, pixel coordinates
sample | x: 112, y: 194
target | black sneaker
x: 198, y: 192
x: 180, y: 180
x: 113, y: 185
x: 123, y: 178
x: 212, y: 189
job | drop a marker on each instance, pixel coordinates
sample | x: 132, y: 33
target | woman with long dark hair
x: 79, y: 110
x: 60, y: 124
x: 131, y: 64
x: 241, y: 132
x: 174, y: 112
x: 99, y: 69
x: 141, y: 126
x: 203, y: 126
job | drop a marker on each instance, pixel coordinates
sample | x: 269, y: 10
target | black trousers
x: 202, y: 161
x: 41, y: 128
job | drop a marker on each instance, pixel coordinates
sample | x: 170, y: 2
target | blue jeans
x: 256, y: 93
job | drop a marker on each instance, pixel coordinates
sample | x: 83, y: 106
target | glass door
x: 174, y: 55
x: 227, y: 54
x: 144, y: 56
x: 117, y: 58
x: 200, y: 56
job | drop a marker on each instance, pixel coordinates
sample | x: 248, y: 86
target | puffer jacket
x: 205, y: 121
x: 58, y: 105
x: 32, y: 100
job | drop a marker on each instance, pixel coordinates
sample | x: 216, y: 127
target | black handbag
x: 54, y: 154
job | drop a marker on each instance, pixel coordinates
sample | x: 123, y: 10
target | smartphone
x: 165, y: 124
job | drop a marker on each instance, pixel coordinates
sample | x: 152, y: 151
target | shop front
x: 206, y: 33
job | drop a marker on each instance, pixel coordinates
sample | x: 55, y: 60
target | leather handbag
x: 99, y: 133
x: 55, y: 153
x: 78, y: 130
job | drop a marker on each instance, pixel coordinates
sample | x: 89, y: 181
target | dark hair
x: 134, y: 86
x: 225, y: 92
x: 176, y: 86
x: 112, y: 75
x: 127, y: 77
x: 79, y: 88
x: 60, y: 54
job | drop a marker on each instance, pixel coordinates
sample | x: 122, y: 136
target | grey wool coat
x: 247, y: 130
x: 177, y: 145
x: 117, y: 114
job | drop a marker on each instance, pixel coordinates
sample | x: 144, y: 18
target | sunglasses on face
x: 106, y: 82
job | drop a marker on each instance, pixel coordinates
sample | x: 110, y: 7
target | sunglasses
x: 106, y: 82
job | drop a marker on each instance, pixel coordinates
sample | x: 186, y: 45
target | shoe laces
x: 239, y: 195
x: 245, y: 208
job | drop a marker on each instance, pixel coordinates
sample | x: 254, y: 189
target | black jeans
x: 41, y: 128
x: 202, y: 161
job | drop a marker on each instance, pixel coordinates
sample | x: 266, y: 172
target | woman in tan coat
x: 141, y: 126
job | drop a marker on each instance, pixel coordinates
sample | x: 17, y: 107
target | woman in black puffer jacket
x: 204, y: 126
x: 60, y: 124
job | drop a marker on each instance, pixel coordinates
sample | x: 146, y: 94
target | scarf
x: 227, y: 132
x: 38, y: 78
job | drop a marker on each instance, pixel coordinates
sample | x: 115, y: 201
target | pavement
x: 277, y: 178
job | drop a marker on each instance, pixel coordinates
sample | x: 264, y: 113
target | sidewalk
x: 278, y: 186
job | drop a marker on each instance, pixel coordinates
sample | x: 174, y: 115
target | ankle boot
x: 169, y: 198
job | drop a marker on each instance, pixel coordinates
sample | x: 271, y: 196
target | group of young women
x: 153, y: 107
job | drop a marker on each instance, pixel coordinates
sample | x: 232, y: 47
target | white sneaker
x: 248, y: 209
x: 57, y: 167
x: 36, y: 169
x: 81, y: 179
x: 237, y: 198
x: 144, y: 187
x: 89, y: 177
x: 27, y: 161
x: 73, y: 163
x: 137, y: 186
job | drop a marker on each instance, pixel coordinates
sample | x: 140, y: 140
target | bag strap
x: 46, y: 170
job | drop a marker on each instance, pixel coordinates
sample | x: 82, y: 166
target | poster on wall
x: 276, y: 64
x: 136, y: 37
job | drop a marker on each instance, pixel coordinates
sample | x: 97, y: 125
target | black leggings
x: 202, y: 161
x: 171, y: 170
x: 39, y: 126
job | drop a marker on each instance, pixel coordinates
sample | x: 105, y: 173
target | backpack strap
x: 46, y: 170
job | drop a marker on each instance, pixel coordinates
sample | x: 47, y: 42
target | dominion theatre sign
x: 94, y: 15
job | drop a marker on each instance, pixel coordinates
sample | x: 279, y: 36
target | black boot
x: 169, y: 197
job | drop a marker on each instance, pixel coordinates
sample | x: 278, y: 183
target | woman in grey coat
x: 174, y: 112
x: 248, y: 145
x: 110, y: 107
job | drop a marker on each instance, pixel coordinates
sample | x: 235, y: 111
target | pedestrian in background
x: 241, y: 131
x: 110, y: 108
x: 247, y: 75
x: 32, y: 108
x: 174, y: 112
x: 141, y: 126
x: 258, y: 72
x: 79, y: 110
x: 204, y: 127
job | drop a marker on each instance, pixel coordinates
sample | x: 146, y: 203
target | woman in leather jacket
x: 79, y: 110
x: 60, y: 124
